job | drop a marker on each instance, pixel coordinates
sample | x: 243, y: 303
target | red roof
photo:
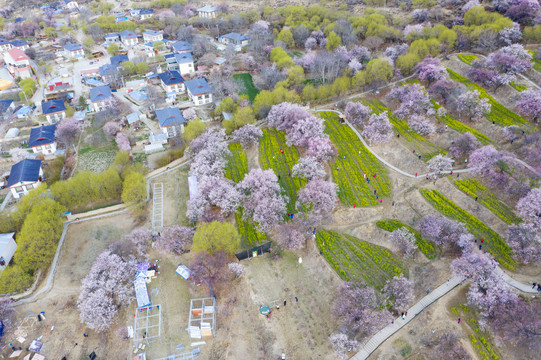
x: 17, y: 54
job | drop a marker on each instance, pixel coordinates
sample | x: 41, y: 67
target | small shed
x: 133, y: 118
x: 154, y: 147
x: 7, y: 249
x: 160, y: 138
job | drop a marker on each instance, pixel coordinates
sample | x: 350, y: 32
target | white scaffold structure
x: 157, y: 208
x: 202, y: 318
x: 148, y: 326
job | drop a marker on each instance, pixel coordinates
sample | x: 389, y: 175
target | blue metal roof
x: 146, y: 11
x: 4, y: 105
x: 19, y: 43
x: 132, y: 118
x: 111, y: 35
x: 138, y: 96
x: 198, y: 86
x: 100, y: 93
x: 208, y: 8
x: 127, y: 34
x: 107, y: 69
x: 152, y: 32
x: 42, y: 135
x: 72, y: 47
x: 52, y: 106
x: 4, y: 41
x: 181, y: 46
x: 171, y: 77
x: 236, y: 36
x: 170, y: 116
x: 184, y: 58
x: 25, y: 170
x: 117, y: 59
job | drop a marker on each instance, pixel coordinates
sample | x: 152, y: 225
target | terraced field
x: 494, y: 244
x: 270, y: 157
x: 357, y: 260
x: 353, y: 161
x: 474, y: 189
x: 236, y: 169
x: 415, y: 141
x: 499, y: 114
x: 428, y: 248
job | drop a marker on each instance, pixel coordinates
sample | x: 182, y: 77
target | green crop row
x: 237, y: 167
x: 468, y: 59
x: 353, y: 161
x: 418, y: 142
x: 427, y: 247
x: 270, y: 157
x: 494, y: 243
x: 536, y: 61
x: 499, y: 114
x: 474, y: 188
x: 478, y: 337
x: 357, y: 260
x: 459, y: 126
x: 518, y: 87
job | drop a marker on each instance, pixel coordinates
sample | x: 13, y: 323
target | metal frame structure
x: 157, y: 208
x: 145, y: 329
x: 204, y: 317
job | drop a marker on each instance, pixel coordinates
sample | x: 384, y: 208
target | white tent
x: 7, y: 249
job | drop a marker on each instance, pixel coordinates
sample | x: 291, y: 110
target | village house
x: 128, y: 37
x: 208, y: 12
x: 172, y: 81
x: 42, y: 139
x: 5, y: 45
x: 112, y: 38
x: 238, y: 41
x: 18, y: 64
x: 181, y: 47
x: 146, y: 14
x: 54, y: 110
x: 20, y: 44
x: 101, y: 98
x: 199, y: 91
x: 73, y: 50
x: 182, y: 63
x: 24, y: 176
x: 171, y: 121
x: 152, y: 36
x: 8, y: 246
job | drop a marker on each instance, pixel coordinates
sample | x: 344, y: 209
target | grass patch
x: 270, y: 157
x: 467, y: 59
x: 246, y: 84
x: 427, y: 247
x: 460, y: 127
x: 353, y: 188
x: 474, y: 188
x: 419, y: 143
x: 493, y: 242
x: 237, y: 167
x: 479, y: 339
x: 499, y: 114
x: 357, y: 260
x: 96, y: 159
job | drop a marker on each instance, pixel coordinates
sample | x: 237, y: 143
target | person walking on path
x: 459, y: 320
x: 296, y: 299
x: 533, y: 286
x: 403, y: 316
x: 406, y: 313
x: 285, y: 302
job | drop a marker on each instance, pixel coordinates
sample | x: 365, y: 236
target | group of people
x: 538, y: 286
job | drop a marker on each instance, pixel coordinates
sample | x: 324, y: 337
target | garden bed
x: 246, y: 85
